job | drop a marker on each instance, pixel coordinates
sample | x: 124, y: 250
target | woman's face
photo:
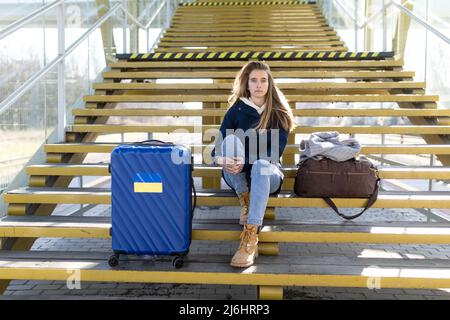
x: 258, y: 83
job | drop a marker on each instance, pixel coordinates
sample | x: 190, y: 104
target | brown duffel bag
x: 328, y: 179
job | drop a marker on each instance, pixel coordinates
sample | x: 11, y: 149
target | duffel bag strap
x: 370, y: 202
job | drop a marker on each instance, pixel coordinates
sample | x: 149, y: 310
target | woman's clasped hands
x: 233, y: 165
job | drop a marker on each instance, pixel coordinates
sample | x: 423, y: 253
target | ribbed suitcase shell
x: 157, y: 223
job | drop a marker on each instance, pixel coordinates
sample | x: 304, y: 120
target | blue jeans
x: 265, y: 179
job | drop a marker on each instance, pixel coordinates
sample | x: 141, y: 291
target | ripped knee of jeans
x: 262, y: 167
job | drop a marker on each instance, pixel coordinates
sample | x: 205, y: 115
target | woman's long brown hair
x: 277, y: 113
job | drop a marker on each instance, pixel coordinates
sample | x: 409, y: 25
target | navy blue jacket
x: 243, y: 116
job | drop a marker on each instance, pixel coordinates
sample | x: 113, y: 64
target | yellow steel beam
x: 238, y: 34
x: 443, y: 121
x: 79, y: 148
x: 89, y: 271
x: 251, y: 9
x: 109, y: 46
x: 17, y: 209
x: 68, y: 169
x: 248, y: 28
x: 268, y: 248
x: 217, y: 24
x: 270, y: 293
x: 37, y: 181
x: 202, y: 19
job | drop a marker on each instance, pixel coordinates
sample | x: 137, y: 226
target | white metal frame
x: 59, y: 61
x: 383, y: 10
x: 358, y: 25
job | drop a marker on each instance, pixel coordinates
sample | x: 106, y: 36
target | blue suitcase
x: 152, y: 210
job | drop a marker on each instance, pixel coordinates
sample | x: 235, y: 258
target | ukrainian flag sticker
x: 148, y: 183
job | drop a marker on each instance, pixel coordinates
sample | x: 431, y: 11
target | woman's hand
x: 231, y: 165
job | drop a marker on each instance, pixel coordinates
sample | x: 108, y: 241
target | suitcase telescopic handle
x: 157, y: 141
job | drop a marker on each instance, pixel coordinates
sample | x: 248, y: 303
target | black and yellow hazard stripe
x: 254, y: 55
x: 246, y: 3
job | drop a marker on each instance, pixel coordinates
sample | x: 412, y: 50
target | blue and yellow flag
x: 148, y: 183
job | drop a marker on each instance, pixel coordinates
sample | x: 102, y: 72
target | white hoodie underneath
x: 248, y: 101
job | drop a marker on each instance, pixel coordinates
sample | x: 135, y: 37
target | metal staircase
x: 212, y: 40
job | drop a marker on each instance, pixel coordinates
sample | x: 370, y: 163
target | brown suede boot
x: 244, y: 200
x: 248, y: 249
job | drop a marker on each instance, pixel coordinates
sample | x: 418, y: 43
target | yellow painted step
x: 229, y: 230
x: 414, y: 130
x: 276, y: 74
x: 312, y: 270
x: 321, y: 112
x: 272, y: 34
x: 325, y: 86
x: 103, y: 196
x: 303, y: 48
x: 201, y: 171
x: 366, y: 149
x: 292, y: 98
x: 268, y: 44
x: 245, y: 39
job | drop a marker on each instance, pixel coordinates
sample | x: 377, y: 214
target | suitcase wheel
x: 113, y: 260
x: 177, y: 262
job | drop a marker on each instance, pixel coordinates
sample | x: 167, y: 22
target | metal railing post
x: 384, y: 26
x: 166, y: 22
x: 148, y: 39
x: 124, y: 26
x: 62, y: 119
x: 430, y: 182
x: 356, y: 25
